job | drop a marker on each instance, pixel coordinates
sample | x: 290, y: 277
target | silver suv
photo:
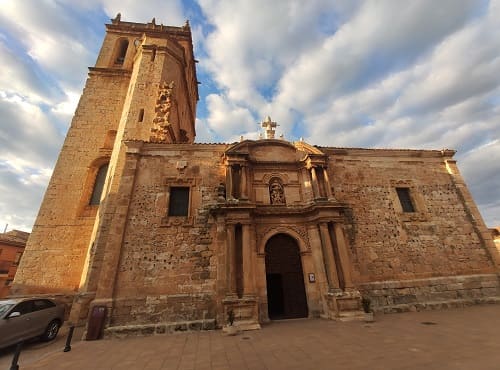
x: 25, y: 318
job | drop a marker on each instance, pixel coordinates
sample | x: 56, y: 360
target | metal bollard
x: 67, y: 348
x: 15, y: 359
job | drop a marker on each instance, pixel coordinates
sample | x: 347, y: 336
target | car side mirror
x: 14, y: 314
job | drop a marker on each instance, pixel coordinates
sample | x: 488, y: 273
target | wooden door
x: 286, y: 295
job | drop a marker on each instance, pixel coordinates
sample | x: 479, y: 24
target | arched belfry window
x: 100, y: 178
x: 276, y: 192
x: 122, y: 51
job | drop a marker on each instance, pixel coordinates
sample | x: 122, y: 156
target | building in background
x: 12, y: 245
x: 167, y: 234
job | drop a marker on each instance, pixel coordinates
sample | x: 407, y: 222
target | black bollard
x: 67, y: 348
x: 15, y: 359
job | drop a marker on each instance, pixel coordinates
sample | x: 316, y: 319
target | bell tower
x: 160, y: 103
x: 143, y: 87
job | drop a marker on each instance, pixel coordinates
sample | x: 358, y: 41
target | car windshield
x: 4, y: 307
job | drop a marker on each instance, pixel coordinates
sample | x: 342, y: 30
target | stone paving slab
x: 467, y: 338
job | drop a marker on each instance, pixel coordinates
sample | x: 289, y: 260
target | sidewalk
x: 33, y: 350
x: 452, y: 339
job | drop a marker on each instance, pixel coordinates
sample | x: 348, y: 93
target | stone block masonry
x: 433, y: 293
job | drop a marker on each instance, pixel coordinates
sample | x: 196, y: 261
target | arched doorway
x: 286, y: 294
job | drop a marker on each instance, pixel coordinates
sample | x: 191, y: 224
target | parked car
x: 25, y: 318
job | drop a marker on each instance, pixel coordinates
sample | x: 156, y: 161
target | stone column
x: 243, y: 183
x: 315, y: 185
x: 343, y: 254
x: 231, y: 262
x: 248, y: 276
x: 327, y: 184
x: 229, y: 182
x: 331, y: 268
x: 261, y: 288
x: 319, y: 262
x: 222, y: 260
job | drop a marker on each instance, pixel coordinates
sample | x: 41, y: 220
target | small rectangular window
x: 141, y: 115
x: 405, y: 199
x: 179, y: 201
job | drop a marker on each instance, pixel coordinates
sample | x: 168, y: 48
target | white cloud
x: 169, y: 12
x: 228, y: 118
x: 27, y: 135
x: 481, y: 170
x: 22, y: 188
x: 253, y: 41
x: 18, y: 77
x: 57, y: 40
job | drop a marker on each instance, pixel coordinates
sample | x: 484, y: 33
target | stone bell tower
x: 143, y: 87
x: 161, y: 97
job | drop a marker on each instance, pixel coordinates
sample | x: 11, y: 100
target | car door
x: 20, y: 327
x: 43, y: 314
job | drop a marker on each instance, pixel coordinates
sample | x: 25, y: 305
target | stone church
x: 168, y: 234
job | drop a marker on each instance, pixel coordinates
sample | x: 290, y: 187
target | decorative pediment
x: 273, y: 150
x: 307, y: 148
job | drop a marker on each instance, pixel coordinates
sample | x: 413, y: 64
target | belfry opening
x: 286, y: 295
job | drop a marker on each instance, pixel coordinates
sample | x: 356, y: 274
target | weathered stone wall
x: 387, y: 244
x: 146, y: 71
x: 167, y: 271
x: 61, y: 233
x: 432, y: 293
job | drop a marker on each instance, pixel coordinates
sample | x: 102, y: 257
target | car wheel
x: 51, y: 331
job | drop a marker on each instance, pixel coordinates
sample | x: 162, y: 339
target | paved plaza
x: 467, y: 338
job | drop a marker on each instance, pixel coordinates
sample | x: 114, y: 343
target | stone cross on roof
x: 269, y: 126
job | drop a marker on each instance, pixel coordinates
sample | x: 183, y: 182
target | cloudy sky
x: 377, y: 74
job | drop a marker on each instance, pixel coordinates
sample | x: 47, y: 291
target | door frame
x: 305, y: 255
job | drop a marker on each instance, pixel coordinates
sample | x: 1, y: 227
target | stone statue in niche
x: 221, y: 192
x: 276, y: 192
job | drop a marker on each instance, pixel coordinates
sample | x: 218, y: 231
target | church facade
x: 168, y: 234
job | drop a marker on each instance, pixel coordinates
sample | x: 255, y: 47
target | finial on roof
x: 118, y: 18
x: 153, y: 21
x: 186, y: 24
